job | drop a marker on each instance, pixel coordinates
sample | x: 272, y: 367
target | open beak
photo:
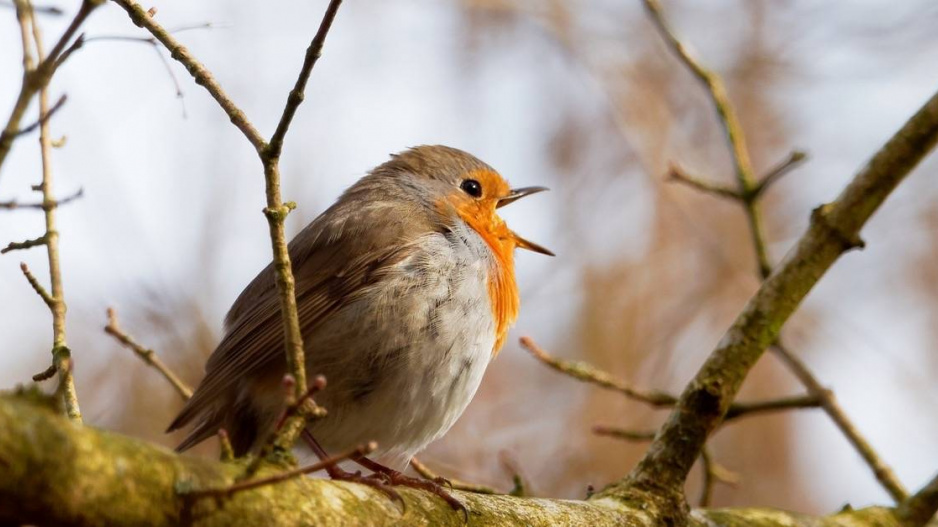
x: 514, y: 196
x: 531, y: 246
x: 517, y: 193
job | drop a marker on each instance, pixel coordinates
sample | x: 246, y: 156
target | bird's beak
x: 531, y: 246
x: 517, y: 193
x: 513, y: 196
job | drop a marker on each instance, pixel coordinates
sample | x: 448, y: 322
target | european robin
x: 406, y: 290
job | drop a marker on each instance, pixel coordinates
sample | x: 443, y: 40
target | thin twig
x: 919, y: 509
x: 748, y: 408
x: 38, y: 77
x: 748, y: 194
x: 42, y: 10
x: 276, y: 210
x: 834, y: 229
x: 624, y: 434
x: 297, y: 94
x: 28, y: 244
x: 881, y: 470
x: 44, y: 117
x: 293, y: 408
x: 203, y: 77
x: 713, y: 473
x: 775, y: 173
x: 362, y: 450
x: 677, y: 174
x: 296, y: 409
x: 585, y: 372
x: 146, y: 354
x: 588, y: 373
x: 426, y: 473
x: 61, y: 355
x: 10, y: 205
x: 37, y: 287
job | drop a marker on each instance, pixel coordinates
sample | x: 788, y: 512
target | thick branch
x: 748, y: 195
x: 58, y: 474
x: 834, y: 229
x: 921, y: 507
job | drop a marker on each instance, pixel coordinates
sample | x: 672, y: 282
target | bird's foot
x: 395, y: 478
x: 380, y: 484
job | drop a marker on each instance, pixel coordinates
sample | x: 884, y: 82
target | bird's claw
x: 380, y: 483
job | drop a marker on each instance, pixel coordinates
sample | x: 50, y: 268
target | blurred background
x: 581, y: 96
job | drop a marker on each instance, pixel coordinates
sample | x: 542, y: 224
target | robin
x: 405, y: 289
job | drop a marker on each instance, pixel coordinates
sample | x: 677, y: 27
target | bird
x: 405, y: 289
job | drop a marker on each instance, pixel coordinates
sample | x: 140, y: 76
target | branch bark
x: 55, y: 473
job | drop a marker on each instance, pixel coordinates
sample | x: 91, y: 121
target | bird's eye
x: 471, y: 187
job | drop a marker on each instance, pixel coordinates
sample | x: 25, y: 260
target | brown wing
x: 343, y: 251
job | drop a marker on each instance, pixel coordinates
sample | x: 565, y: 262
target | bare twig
x: 676, y: 173
x: 362, y: 450
x: 44, y: 117
x: 747, y: 408
x: 297, y: 94
x: 748, y: 194
x: 426, y: 473
x: 296, y: 409
x: 28, y: 244
x: 881, y: 470
x: 10, y: 205
x: 203, y: 77
x: 294, y: 406
x: 37, y: 287
x: 55, y: 299
x: 794, y: 159
x: 713, y: 473
x: 147, y: 355
x: 588, y: 373
x: 276, y: 213
x: 624, y: 434
x: 834, y: 229
x: 585, y: 372
x: 727, y: 116
x: 35, y: 78
x: 269, y: 154
x: 919, y: 509
x: 42, y: 10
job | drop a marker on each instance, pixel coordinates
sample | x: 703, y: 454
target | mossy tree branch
x: 59, y: 474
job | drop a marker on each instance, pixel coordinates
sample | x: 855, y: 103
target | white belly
x: 423, y: 338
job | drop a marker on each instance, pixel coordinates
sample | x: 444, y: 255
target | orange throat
x: 502, y: 288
